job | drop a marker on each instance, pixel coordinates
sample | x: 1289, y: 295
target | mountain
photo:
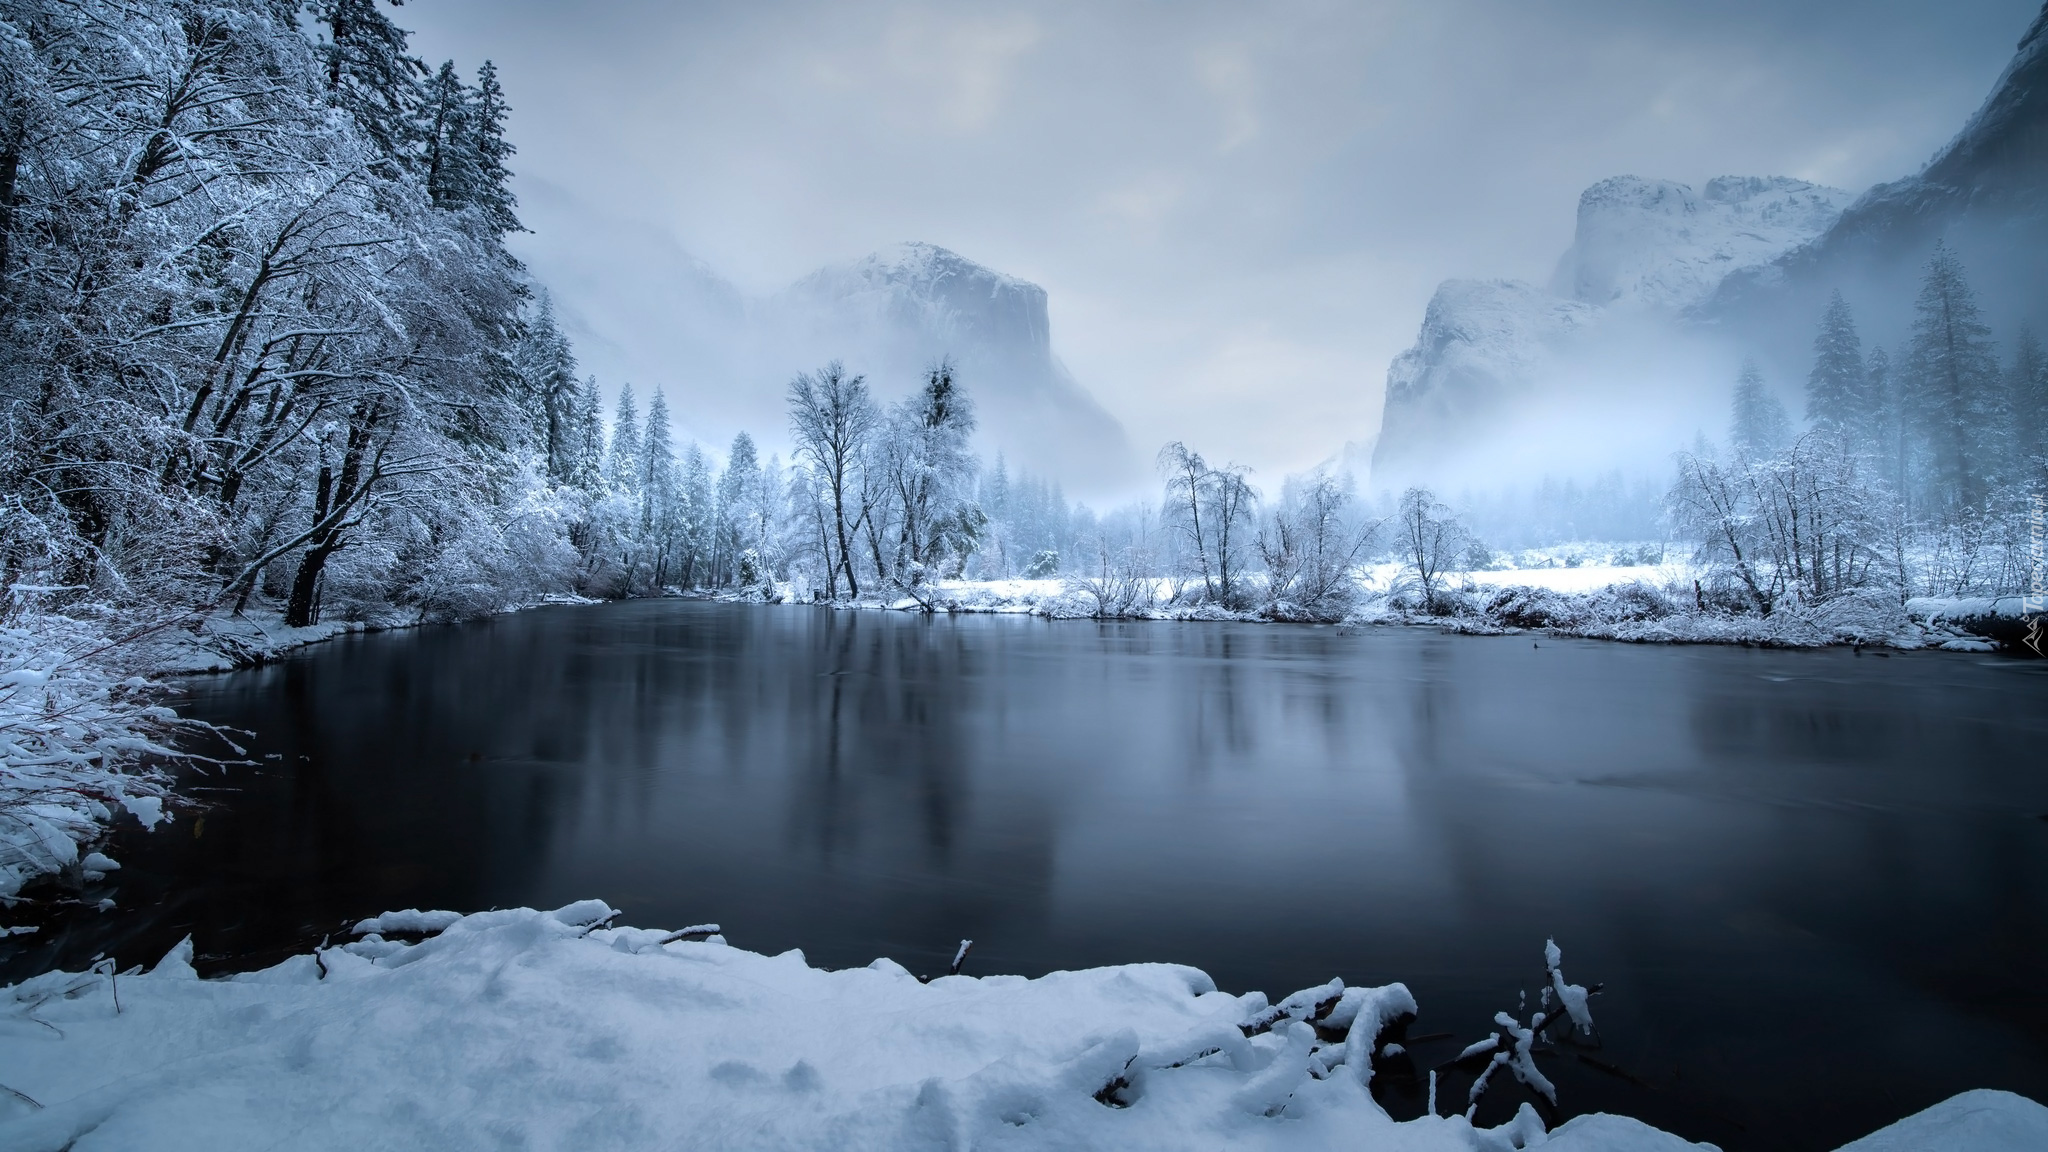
x: 1985, y: 194
x: 893, y: 313
x: 1504, y: 376
x: 642, y: 309
x: 1658, y: 244
x: 1674, y: 287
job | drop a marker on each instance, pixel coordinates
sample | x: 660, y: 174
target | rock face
x: 923, y: 298
x: 1658, y: 244
x: 1496, y: 357
x: 1679, y: 285
x: 1483, y: 346
x: 1985, y: 194
x: 895, y: 312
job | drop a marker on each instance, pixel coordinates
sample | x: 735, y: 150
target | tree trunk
x: 303, y: 609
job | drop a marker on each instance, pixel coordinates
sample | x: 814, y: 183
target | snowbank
x: 1637, y: 603
x: 78, y: 733
x: 222, y: 642
x: 548, y: 1030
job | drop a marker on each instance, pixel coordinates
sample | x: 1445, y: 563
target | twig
x: 695, y: 933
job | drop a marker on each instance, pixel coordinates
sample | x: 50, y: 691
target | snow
x: 547, y: 1030
x: 1973, y: 1120
x: 1586, y: 578
x: 1493, y: 355
x: 410, y: 920
x: 1660, y: 244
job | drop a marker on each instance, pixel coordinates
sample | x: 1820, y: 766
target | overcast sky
x: 1239, y: 210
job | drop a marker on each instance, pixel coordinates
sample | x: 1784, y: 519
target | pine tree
x: 586, y: 468
x: 2027, y: 386
x: 1760, y: 427
x: 548, y: 367
x: 1888, y: 427
x: 369, y: 73
x: 659, y: 516
x: 451, y: 161
x: 1954, y: 399
x: 622, y: 463
x: 1837, y: 391
x: 695, y: 501
x: 657, y: 466
x: 493, y: 179
x: 738, y: 491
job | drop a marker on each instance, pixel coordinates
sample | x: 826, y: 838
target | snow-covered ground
x: 527, y: 1029
x: 1585, y: 595
x: 1585, y: 578
x: 79, y: 735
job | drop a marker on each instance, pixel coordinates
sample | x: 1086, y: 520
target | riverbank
x: 1631, y: 604
x: 92, y: 731
x: 555, y: 1030
x: 87, y: 731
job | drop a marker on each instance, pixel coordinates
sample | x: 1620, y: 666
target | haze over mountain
x: 1635, y: 344
x: 889, y: 315
x: 1510, y: 381
x: 1985, y: 194
x: 1238, y: 213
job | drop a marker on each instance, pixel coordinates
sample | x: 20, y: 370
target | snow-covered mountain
x: 1500, y: 367
x: 1985, y: 194
x: 1679, y: 285
x: 643, y: 310
x: 893, y: 313
x: 1659, y: 244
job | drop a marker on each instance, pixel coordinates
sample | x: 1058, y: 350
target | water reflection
x: 1815, y: 884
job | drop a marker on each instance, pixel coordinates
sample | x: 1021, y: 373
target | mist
x: 1237, y: 216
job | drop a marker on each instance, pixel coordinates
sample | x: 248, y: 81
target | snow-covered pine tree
x: 548, y: 367
x: 450, y: 160
x: 933, y: 469
x: 738, y: 493
x: 660, y: 516
x: 1955, y: 402
x: 696, y: 505
x: 1837, y: 390
x: 586, y: 444
x: 1760, y: 427
x: 487, y: 118
x: 1889, y: 426
x: 622, y: 460
x: 370, y: 74
x: 2027, y: 387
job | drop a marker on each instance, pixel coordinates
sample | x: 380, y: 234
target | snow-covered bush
x: 82, y: 737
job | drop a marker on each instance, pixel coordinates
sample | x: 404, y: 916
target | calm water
x: 1815, y: 884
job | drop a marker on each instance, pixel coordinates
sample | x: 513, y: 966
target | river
x: 1814, y: 884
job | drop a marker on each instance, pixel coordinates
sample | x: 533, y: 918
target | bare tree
x: 1186, y: 472
x: 1807, y: 524
x: 1431, y: 539
x: 1310, y: 547
x: 832, y: 416
x: 1211, y: 509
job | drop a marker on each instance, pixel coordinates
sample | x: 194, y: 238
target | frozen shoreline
x: 549, y: 1029
x: 61, y: 802
x: 1633, y: 604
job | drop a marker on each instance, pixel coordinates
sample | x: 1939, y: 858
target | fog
x: 1238, y: 215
